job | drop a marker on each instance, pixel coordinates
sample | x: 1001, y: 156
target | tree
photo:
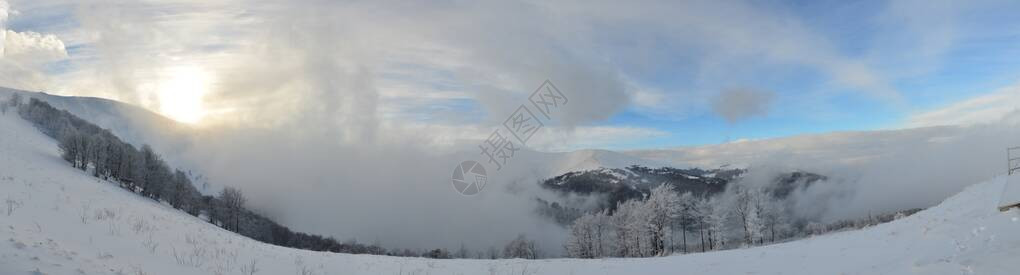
x: 587, y: 236
x: 773, y: 219
x: 69, y: 147
x: 711, y: 222
x: 15, y: 100
x: 183, y: 193
x: 155, y: 174
x: 462, y: 253
x: 742, y: 208
x: 632, y: 224
x: 233, y: 201
x: 600, y: 228
x: 662, y: 208
x: 438, y: 253
x: 521, y: 247
x: 688, y: 216
x: 129, y: 161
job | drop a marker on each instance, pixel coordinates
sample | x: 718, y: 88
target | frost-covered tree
x: 588, y: 236
x: 155, y: 174
x: 661, y: 208
x: 233, y: 202
x: 521, y: 247
x: 742, y: 208
x: 71, y: 146
x: 627, y: 228
x: 687, y: 217
x: 774, y: 219
x: 182, y: 194
x: 713, y: 217
x: 580, y: 241
x: 755, y: 217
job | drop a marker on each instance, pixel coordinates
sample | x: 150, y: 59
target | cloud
x: 870, y: 171
x: 4, y: 13
x: 24, y: 55
x: 981, y: 109
x: 32, y: 47
x: 412, y: 51
x: 739, y: 104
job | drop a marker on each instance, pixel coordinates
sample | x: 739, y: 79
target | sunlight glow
x: 181, y: 93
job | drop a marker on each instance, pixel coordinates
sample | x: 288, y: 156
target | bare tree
x: 233, y: 200
x: 742, y: 208
x: 521, y: 247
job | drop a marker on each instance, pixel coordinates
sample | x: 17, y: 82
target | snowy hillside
x: 129, y: 122
x: 57, y: 220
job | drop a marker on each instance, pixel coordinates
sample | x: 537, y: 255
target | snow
x: 65, y: 222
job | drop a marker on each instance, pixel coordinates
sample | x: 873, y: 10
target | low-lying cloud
x: 869, y: 172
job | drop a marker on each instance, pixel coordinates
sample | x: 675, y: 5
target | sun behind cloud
x: 181, y: 93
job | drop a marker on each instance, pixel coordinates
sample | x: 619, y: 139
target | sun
x: 181, y: 93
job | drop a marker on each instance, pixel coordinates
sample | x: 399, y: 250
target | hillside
x: 64, y: 222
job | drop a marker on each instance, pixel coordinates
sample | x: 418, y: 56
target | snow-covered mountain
x: 58, y: 220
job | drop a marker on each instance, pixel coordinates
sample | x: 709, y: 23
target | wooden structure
x: 1011, y: 193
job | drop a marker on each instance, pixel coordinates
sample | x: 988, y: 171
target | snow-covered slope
x: 65, y: 222
x: 129, y: 122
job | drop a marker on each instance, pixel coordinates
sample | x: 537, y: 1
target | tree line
x: 664, y: 222
x: 649, y: 227
x: 102, y: 154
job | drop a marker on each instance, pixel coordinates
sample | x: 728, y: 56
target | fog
x: 399, y: 195
x: 868, y: 172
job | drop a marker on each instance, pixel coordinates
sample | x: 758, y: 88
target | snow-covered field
x: 62, y: 221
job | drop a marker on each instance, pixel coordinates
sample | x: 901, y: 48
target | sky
x: 647, y: 74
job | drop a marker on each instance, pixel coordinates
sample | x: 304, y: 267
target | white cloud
x: 23, y: 54
x: 4, y: 13
x: 986, y: 108
x: 32, y: 47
